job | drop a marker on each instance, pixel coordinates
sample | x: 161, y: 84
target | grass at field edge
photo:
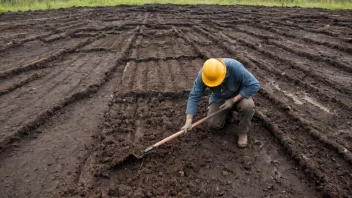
x: 45, y: 5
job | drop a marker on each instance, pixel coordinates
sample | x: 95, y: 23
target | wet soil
x: 82, y: 88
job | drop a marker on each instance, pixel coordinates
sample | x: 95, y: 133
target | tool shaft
x: 182, y: 131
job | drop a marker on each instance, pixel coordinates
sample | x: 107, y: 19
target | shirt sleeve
x: 195, y: 95
x: 249, y: 84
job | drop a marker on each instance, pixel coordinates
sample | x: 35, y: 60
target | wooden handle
x: 182, y: 131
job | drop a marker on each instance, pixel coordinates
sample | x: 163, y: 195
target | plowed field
x: 80, y: 88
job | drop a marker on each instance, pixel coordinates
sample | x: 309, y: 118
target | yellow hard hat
x: 214, y: 72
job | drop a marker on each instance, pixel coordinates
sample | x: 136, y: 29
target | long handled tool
x: 138, y: 155
x: 149, y: 148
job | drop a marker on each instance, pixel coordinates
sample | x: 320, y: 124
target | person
x: 232, y: 88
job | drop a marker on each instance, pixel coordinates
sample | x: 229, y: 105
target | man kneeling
x: 232, y: 88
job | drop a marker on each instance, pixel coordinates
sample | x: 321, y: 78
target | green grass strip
x: 23, y: 5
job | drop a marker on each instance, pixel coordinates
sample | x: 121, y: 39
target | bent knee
x: 247, y: 105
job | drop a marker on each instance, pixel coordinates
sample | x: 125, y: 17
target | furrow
x: 273, y: 53
x: 161, y: 77
x: 168, y: 76
x: 159, y: 19
x: 331, y: 60
x: 332, y: 28
x: 140, y: 77
x: 325, y: 97
x: 54, y: 37
x: 74, y: 26
x: 162, y: 58
x: 312, y: 51
x: 33, y: 65
x: 18, y: 43
x: 43, y: 114
x: 322, y: 116
x: 145, y: 18
x: 276, y: 54
x: 319, y: 31
x: 309, y: 39
x: 41, y: 62
x: 153, y: 77
x: 343, y: 151
x: 108, y: 42
x: 318, y: 162
x: 128, y: 76
x: 21, y: 83
x: 153, y: 45
x: 47, y: 37
x: 170, y: 73
x: 30, y: 22
x: 187, y: 76
x: 202, y: 53
x: 97, y: 49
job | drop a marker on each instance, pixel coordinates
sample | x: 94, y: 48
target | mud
x: 82, y: 89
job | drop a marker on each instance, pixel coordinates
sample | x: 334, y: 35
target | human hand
x: 228, y: 104
x: 188, y: 125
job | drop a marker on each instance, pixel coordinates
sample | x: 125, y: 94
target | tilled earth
x: 82, y: 88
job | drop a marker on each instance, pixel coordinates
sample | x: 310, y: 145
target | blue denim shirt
x: 237, y: 81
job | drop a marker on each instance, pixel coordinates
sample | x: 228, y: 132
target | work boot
x: 242, y: 140
x: 246, y: 111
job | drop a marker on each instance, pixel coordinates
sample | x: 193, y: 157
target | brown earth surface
x: 82, y: 88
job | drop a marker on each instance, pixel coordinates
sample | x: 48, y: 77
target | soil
x: 83, y: 88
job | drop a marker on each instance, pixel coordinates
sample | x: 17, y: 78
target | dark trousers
x: 245, y: 109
